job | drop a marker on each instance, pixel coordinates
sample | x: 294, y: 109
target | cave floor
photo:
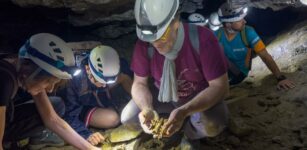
x: 261, y: 118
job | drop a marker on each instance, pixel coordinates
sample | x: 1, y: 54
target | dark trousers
x: 26, y: 120
x: 235, y: 78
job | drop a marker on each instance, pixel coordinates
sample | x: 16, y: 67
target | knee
x: 214, y: 130
x: 129, y: 113
x: 114, y: 119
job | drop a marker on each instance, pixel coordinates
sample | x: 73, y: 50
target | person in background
x: 197, y: 19
x: 212, y: 22
x: 88, y: 96
x: 43, y: 61
x: 241, y: 43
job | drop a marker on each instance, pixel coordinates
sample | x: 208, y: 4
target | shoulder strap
x: 244, y: 37
x: 150, y: 51
x: 8, y: 68
x: 194, y: 38
x: 219, y: 34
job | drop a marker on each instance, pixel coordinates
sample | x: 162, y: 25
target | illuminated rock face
x: 289, y: 50
x: 273, y: 4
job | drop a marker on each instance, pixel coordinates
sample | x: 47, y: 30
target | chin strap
x: 231, y: 31
x: 33, y: 75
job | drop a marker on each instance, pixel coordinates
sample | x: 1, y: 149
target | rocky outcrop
x: 87, y: 12
x: 264, y: 4
x: 289, y: 50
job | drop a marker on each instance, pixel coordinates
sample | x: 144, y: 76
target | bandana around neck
x: 168, y: 86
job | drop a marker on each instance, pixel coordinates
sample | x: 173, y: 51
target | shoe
x: 45, y: 138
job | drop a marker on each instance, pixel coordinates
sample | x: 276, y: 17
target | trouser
x: 26, y: 120
x: 199, y: 125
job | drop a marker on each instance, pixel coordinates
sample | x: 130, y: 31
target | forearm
x: 57, y: 124
x: 61, y: 128
x: 2, y: 124
x: 76, y: 124
x: 141, y: 96
x: 271, y: 64
x: 206, y: 98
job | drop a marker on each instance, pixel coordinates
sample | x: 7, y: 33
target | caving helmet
x: 153, y: 17
x: 227, y: 13
x: 51, y: 54
x: 104, y: 64
x: 197, y: 19
x: 214, y: 22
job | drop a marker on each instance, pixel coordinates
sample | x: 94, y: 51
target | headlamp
x: 148, y: 30
x: 74, y: 71
x: 245, y: 10
x: 107, y: 79
x: 111, y: 81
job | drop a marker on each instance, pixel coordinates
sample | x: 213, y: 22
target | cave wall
x: 115, y: 26
x: 288, y: 49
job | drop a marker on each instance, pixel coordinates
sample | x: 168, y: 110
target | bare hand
x: 285, y: 85
x: 95, y: 138
x: 95, y: 148
x: 174, y: 122
x: 145, y: 117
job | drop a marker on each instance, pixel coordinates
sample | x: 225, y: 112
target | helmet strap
x: 34, y: 74
x: 229, y: 29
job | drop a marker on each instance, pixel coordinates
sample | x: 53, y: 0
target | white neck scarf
x: 168, y: 86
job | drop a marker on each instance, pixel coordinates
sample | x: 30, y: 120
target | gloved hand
x: 145, y: 117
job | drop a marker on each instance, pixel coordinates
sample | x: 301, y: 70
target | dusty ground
x: 267, y: 118
x: 262, y: 118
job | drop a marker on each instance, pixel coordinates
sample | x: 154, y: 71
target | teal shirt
x: 235, y: 50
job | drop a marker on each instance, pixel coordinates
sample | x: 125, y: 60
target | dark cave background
x: 18, y: 24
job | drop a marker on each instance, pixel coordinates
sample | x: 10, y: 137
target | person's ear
x: 176, y: 23
x: 87, y: 69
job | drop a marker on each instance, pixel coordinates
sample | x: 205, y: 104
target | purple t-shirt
x: 193, y: 70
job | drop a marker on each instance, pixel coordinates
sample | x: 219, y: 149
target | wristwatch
x: 280, y: 78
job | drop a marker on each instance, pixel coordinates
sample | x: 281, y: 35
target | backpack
x: 193, y: 36
x: 9, y: 69
x: 250, y: 53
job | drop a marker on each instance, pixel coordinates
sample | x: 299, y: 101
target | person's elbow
x: 138, y: 82
x: 221, y: 85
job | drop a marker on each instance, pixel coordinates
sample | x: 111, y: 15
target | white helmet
x: 197, y: 19
x: 51, y: 54
x: 153, y: 17
x: 231, y: 14
x: 104, y: 64
x: 214, y: 22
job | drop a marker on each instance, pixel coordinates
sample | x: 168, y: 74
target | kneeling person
x: 240, y: 42
x: 88, y: 95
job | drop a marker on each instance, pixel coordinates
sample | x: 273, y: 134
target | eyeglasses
x: 165, y: 34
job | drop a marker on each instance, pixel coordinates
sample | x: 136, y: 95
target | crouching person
x: 88, y: 100
x: 43, y: 62
x: 188, y: 84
